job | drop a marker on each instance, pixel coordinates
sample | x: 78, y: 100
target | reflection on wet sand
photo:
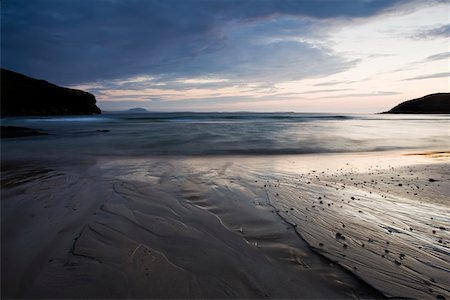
x: 228, y: 227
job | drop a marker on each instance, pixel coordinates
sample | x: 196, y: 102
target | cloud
x: 70, y: 42
x: 439, y: 56
x: 372, y: 94
x: 433, y: 33
x: 430, y: 76
x: 337, y: 82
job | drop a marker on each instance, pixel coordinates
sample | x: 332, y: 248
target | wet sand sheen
x: 224, y: 227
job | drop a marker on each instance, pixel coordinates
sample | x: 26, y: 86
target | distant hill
x: 22, y: 95
x: 136, y: 110
x: 431, y: 104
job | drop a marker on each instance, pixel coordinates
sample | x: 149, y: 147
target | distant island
x: 136, y: 110
x: 430, y: 104
x: 25, y: 96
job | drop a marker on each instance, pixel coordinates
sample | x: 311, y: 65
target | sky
x: 355, y: 56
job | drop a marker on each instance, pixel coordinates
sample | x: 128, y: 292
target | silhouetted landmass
x: 431, y: 104
x: 25, y: 96
x: 15, y: 131
x: 137, y: 110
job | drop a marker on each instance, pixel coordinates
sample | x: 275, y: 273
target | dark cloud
x: 430, y: 76
x: 439, y: 56
x: 433, y: 33
x: 71, y: 42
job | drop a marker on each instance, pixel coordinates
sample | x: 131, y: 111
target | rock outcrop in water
x: 25, y: 96
x: 431, y: 104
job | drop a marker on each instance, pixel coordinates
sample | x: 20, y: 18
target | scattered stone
x: 340, y: 236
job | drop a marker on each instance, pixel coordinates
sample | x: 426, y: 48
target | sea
x: 240, y: 133
x: 257, y: 184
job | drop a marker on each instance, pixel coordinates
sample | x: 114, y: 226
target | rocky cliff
x: 431, y: 104
x: 22, y: 95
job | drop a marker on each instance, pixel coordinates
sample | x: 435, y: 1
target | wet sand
x: 304, y: 226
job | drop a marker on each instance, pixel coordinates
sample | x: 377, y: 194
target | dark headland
x: 25, y: 96
x: 430, y: 104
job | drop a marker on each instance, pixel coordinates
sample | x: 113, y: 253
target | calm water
x: 227, y: 133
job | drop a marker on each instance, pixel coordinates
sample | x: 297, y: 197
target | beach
x: 94, y: 224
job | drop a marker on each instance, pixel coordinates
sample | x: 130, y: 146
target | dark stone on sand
x: 25, y: 96
x: 340, y: 236
x: 440, y: 297
x: 432, y: 180
x: 15, y: 131
x: 430, y: 104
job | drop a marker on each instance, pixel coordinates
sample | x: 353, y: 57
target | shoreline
x: 226, y: 194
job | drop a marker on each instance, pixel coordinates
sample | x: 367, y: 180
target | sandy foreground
x: 306, y: 226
